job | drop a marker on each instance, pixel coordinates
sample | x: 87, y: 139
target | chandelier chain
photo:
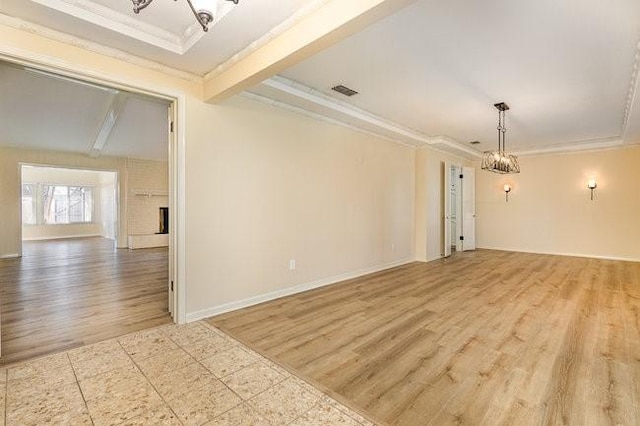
x: 500, y: 161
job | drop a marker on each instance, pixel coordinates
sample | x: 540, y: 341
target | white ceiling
x: 437, y: 67
x: 428, y: 74
x: 42, y: 112
x: 163, y: 25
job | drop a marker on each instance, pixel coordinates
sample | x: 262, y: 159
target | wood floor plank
x: 484, y: 337
x: 67, y: 293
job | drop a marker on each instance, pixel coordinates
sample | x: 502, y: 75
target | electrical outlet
x: 292, y: 264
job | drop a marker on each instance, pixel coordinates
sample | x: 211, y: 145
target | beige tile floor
x: 171, y: 375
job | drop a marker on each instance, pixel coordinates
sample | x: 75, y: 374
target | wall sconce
x: 507, y: 190
x: 592, y: 184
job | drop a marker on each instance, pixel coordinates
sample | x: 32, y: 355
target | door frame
x: 447, y: 208
x: 177, y: 153
x: 468, y: 243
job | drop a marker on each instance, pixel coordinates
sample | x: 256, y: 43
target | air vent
x: 344, y: 90
x: 474, y: 142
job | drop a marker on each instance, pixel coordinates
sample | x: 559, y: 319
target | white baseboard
x: 61, y: 237
x: 589, y: 256
x: 430, y: 259
x: 233, y: 306
x: 9, y: 256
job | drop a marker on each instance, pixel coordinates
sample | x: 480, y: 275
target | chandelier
x: 203, y: 10
x: 500, y: 161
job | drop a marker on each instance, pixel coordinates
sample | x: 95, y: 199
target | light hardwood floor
x: 66, y: 293
x: 486, y: 337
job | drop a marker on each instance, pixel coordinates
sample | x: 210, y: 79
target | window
x: 56, y: 204
x: 29, y: 204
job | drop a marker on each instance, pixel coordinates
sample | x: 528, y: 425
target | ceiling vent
x: 344, y: 90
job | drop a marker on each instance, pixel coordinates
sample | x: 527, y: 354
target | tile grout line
x: 80, y: 388
x: 236, y: 343
x: 216, y: 377
x: 159, y: 328
x: 147, y: 379
x: 165, y: 331
x: 270, y: 365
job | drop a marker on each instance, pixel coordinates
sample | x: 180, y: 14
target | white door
x: 458, y: 209
x: 446, y: 193
x: 468, y: 209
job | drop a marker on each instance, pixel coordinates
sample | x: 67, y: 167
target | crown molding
x: 386, y: 129
x: 454, y: 145
x: 320, y: 117
x: 298, y: 16
x: 59, y: 36
x: 121, y: 23
x: 316, y: 97
x: 587, y: 145
x: 398, y: 133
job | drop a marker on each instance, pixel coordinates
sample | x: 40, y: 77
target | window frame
x: 39, y: 203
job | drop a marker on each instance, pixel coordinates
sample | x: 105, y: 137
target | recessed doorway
x: 90, y: 252
x: 458, y: 204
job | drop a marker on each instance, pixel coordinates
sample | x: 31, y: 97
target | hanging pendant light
x: 500, y: 161
x: 203, y: 10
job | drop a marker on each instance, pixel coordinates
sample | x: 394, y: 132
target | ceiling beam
x: 631, y: 123
x: 111, y: 117
x: 329, y: 24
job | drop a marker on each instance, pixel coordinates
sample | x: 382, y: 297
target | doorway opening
x: 91, y: 223
x: 459, y: 209
x: 455, y: 207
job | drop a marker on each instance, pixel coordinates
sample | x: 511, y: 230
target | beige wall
x: 429, y: 225
x: 549, y: 210
x: 265, y: 186
x: 151, y: 178
x: 10, y: 190
x: 72, y: 230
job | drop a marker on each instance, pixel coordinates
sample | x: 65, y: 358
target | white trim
x: 431, y: 259
x: 589, y: 145
x: 233, y: 306
x: 91, y: 46
x: 105, y: 17
x: 10, y: 256
x: 588, y: 256
x: 178, y: 205
x: 398, y: 133
x: 51, y: 64
x: 454, y: 144
x: 314, y: 96
x: 314, y: 115
x: 297, y: 17
x: 62, y: 237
